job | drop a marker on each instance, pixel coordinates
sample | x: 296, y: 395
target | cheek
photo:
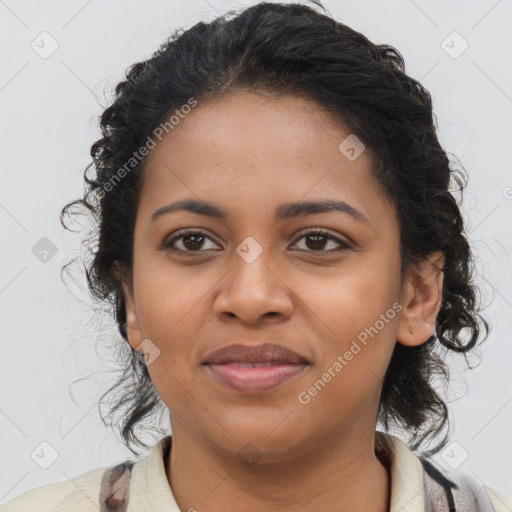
x: 354, y: 300
x: 359, y: 312
x: 353, y: 359
x: 167, y: 297
x: 173, y: 308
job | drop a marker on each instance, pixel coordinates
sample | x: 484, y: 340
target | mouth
x: 254, y: 369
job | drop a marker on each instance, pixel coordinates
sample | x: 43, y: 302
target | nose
x: 254, y: 291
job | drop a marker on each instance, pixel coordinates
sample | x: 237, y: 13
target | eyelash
x: 168, y: 245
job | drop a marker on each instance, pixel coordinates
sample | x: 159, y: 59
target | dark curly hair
x: 294, y: 50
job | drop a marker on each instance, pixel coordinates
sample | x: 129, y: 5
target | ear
x: 132, y: 322
x: 421, y: 300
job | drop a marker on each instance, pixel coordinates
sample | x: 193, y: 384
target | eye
x: 189, y: 240
x: 193, y: 241
x: 318, y: 240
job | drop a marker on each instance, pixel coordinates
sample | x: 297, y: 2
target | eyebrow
x: 284, y: 211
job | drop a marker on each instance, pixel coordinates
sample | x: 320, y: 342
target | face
x: 323, y: 283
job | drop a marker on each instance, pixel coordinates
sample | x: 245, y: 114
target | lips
x: 254, y: 369
x: 266, y: 353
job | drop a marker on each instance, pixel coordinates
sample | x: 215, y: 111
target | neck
x: 340, y: 474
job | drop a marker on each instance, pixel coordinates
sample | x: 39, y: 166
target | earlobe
x: 422, y: 301
x: 132, y: 323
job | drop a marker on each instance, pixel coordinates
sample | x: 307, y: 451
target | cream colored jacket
x: 149, y: 490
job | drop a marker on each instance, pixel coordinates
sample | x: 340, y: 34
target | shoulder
x: 419, y: 483
x: 105, y: 487
x: 462, y: 489
x: 500, y: 502
x: 79, y: 494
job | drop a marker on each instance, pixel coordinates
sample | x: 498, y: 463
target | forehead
x: 254, y: 150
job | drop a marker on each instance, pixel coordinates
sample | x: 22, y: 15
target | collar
x: 149, y: 479
x: 406, y: 473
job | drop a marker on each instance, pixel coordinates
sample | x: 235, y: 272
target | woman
x: 286, y: 264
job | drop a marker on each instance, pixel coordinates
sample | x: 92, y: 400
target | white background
x: 48, y: 122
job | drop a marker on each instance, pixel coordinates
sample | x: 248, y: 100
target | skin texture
x: 249, y: 154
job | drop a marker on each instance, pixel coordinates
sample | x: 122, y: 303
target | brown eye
x: 317, y: 241
x: 188, y: 241
x: 194, y: 241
